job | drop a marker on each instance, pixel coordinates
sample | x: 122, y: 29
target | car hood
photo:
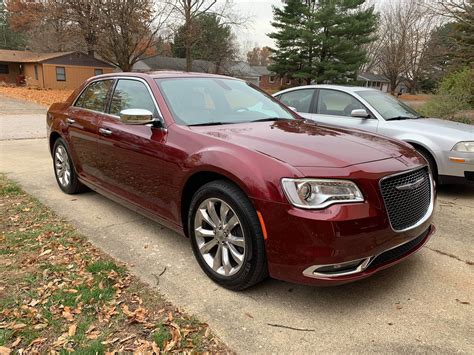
x: 436, y: 127
x: 303, y: 143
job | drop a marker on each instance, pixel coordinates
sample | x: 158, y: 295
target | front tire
x: 226, y: 236
x: 64, y: 171
x: 431, y: 163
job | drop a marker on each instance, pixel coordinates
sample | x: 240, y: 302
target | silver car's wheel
x: 62, y: 166
x: 219, y: 236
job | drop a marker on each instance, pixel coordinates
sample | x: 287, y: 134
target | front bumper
x: 302, y: 241
x: 456, y: 167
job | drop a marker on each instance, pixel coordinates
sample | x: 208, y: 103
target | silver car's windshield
x: 211, y: 101
x: 389, y: 107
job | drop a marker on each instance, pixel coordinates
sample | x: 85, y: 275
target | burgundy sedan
x: 258, y: 190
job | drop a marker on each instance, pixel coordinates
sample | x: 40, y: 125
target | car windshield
x: 208, y: 101
x: 389, y: 107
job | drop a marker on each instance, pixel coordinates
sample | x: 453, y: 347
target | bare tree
x: 128, y: 29
x: 402, y: 47
x: 190, y: 10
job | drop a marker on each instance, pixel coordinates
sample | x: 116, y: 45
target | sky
x: 260, y: 13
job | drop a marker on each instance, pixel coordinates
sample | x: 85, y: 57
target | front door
x: 134, y: 158
x: 334, y: 107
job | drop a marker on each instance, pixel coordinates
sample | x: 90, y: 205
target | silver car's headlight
x: 320, y: 193
x: 464, y: 147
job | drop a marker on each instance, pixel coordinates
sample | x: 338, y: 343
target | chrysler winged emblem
x: 412, y: 185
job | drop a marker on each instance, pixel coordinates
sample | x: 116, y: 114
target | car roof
x: 166, y: 74
x: 345, y: 88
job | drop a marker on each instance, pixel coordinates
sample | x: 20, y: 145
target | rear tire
x: 64, y: 171
x: 226, y: 236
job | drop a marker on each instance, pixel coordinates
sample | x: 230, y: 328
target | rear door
x: 334, y: 107
x: 82, y: 119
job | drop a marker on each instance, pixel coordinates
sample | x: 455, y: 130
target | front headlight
x: 464, y: 147
x: 320, y: 193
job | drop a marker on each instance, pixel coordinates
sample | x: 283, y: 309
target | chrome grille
x: 407, y: 197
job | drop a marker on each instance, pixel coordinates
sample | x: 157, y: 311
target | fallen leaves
x: 44, y: 97
x: 68, y: 295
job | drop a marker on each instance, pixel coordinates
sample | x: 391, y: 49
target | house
x: 61, y: 70
x: 242, y: 70
x: 375, y: 81
x: 157, y: 63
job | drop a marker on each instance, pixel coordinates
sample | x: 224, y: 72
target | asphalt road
x: 424, y: 304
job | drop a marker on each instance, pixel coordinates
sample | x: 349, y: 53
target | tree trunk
x: 189, y: 59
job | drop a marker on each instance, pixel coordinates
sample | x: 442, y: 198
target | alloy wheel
x: 62, y: 166
x: 220, y: 237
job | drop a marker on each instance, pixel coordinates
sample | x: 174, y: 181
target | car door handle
x: 105, y: 131
x: 71, y: 120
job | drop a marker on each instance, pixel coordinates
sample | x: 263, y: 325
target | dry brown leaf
x: 60, y: 341
x: 38, y: 341
x: 90, y: 329
x: 67, y: 314
x: 16, y: 342
x: 4, y: 350
x: 18, y: 326
x: 72, y: 330
x: 33, y: 303
x: 93, y: 335
x: 111, y: 341
x: 40, y: 326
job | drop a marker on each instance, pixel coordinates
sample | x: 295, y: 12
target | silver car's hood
x: 436, y: 127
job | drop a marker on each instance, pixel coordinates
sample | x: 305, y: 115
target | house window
x: 271, y: 79
x: 36, y: 72
x: 60, y: 74
x: 4, y: 69
x: 98, y: 71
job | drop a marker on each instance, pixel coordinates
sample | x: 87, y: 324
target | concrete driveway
x: 20, y: 120
x: 424, y: 304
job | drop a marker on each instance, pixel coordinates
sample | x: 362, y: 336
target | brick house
x: 62, y: 70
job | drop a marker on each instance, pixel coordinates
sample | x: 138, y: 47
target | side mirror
x: 293, y: 108
x: 136, y: 116
x: 361, y: 113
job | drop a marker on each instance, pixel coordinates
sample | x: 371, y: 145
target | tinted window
x: 331, y: 102
x: 94, y: 97
x: 299, y: 99
x: 215, y: 100
x: 131, y: 94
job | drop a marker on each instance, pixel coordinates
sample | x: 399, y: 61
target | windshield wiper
x: 271, y: 119
x: 207, y: 124
x: 399, y: 118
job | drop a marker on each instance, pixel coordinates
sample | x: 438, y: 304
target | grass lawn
x: 60, y: 294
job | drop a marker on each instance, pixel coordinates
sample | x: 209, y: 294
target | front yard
x: 39, y: 96
x: 59, y: 293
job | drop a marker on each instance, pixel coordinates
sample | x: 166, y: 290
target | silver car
x: 447, y: 146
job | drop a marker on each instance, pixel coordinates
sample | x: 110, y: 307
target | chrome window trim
x: 120, y: 78
x: 429, y: 212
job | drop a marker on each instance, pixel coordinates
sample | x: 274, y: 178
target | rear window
x: 94, y: 97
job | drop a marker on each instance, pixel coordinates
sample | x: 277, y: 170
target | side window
x: 94, y: 97
x: 131, y: 94
x: 299, y: 99
x: 336, y: 103
x: 60, y: 74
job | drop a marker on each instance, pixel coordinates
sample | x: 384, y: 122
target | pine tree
x: 321, y: 40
